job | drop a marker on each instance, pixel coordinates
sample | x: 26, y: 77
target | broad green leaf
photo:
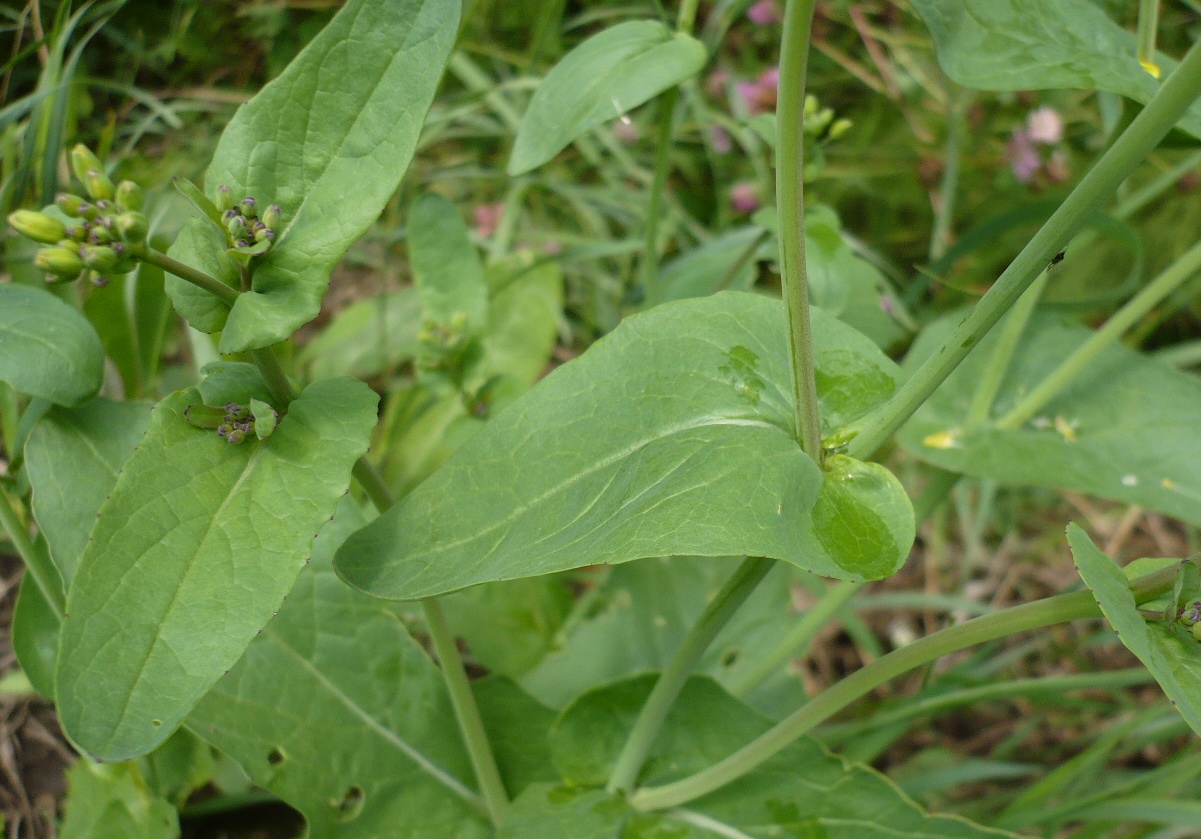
x: 367, y: 338
x: 524, y: 307
x: 726, y: 262
x: 670, y: 436
x: 1171, y: 655
x: 612, y: 72
x: 35, y: 636
x: 510, y: 626
x: 329, y: 140
x: 642, y: 611
x: 1034, y: 45
x: 201, y: 245
x: 803, y: 791
x: 446, y: 267
x: 335, y: 709
x: 1124, y: 429
x: 112, y: 801
x: 47, y: 349
x: 73, y: 457
x: 195, y: 548
x: 179, y: 767
x: 232, y: 381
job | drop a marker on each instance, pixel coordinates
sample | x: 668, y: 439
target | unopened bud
x: 99, y: 235
x: 235, y: 436
x: 99, y: 258
x: 1195, y: 629
x: 129, y: 197
x: 265, y: 234
x: 133, y: 227
x: 271, y: 216
x: 88, y: 211
x: 60, y: 262
x: 236, y: 226
x: 37, y: 226
x: 225, y: 198
x: 99, y: 185
x: 77, y: 232
x: 82, y: 161
x: 248, y: 207
x: 68, y: 203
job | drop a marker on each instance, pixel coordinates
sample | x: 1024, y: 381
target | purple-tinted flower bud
x: 248, y: 207
x: 225, y: 198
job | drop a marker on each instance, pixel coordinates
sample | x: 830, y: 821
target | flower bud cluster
x: 97, y: 238
x: 234, y: 422
x: 246, y: 228
x: 1190, y: 616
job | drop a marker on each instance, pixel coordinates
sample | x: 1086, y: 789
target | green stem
x: 1148, y: 24
x: 37, y: 562
x: 212, y: 285
x: 466, y: 710
x: 1058, y: 609
x: 945, y: 212
x: 1135, y: 308
x: 649, y: 267
x: 642, y: 736
x: 273, y: 372
x: 686, y: 17
x: 1008, y: 342
x: 1136, y: 142
x: 790, y: 203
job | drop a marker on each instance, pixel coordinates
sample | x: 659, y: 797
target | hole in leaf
x: 156, y: 723
x: 730, y: 657
x: 351, y: 804
x: 275, y: 757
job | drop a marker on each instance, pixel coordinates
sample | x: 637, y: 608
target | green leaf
x: 803, y: 791
x: 329, y: 141
x: 610, y: 73
x: 1117, y: 431
x: 195, y: 548
x: 446, y: 267
x: 1033, y: 45
x: 199, y: 200
x: 1171, y: 655
x: 727, y: 261
x: 367, y: 338
x: 179, y: 767
x: 201, y: 245
x: 524, y: 307
x: 111, y: 801
x: 640, y: 614
x: 35, y: 636
x: 671, y: 436
x: 377, y: 724
x: 73, y: 457
x: 47, y: 349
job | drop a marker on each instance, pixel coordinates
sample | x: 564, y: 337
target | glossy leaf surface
x: 1171, y: 655
x: 1124, y: 429
x: 74, y: 457
x: 803, y: 791
x: 1033, y: 45
x: 48, y: 349
x: 192, y: 553
x: 670, y: 436
x: 378, y: 753
x: 608, y: 74
x: 329, y: 141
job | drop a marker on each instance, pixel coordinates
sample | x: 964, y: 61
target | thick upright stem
x: 790, y: 201
x: 733, y: 594
x: 1064, y: 607
x: 1144, y: 133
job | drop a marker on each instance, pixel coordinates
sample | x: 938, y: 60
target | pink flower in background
x: 760, y: 95
x: 744, y: 198
x: 487, y: 217
x: 715, y: 82
x: 1045, y: 126
x: 720, y: 138
x: 1022, y: 156
x: 1057, y: 167
x: 764, y: 13
x: 627, y: 132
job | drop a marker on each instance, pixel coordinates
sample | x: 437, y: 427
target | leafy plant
x: 231, y: 561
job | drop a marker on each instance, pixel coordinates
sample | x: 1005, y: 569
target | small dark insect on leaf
x: 1058, y: 258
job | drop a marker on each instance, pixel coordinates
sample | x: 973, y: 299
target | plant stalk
x: 1010, y: 338
x: 790, y: 203
x: 1174, y: 276
x: 1052, y: 610
x: 37, y: 562
x: 1136, y: 142
x: 671, y: 681
x: 212, y: 285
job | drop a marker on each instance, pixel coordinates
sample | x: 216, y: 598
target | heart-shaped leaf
x: 599, y: 80
x: 47, y: 349
x: 191, y: 554
x: 671, y: 436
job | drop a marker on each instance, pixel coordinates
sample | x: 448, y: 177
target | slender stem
x: 1135, y: 308
x: 790, y: 201
x: 1148, y: 24
x: 212, y: 285
x: 944, y: 213
x: 649, y: 266
x: 686, y: 18
x: 273, y: 372
x: 642, y: 736
x: 37, y: 562
x: 1134, y: 202
x: 1144, y: 133
x: 1058, y: 609
x: 1009, y: 340
x: 466, y: 710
